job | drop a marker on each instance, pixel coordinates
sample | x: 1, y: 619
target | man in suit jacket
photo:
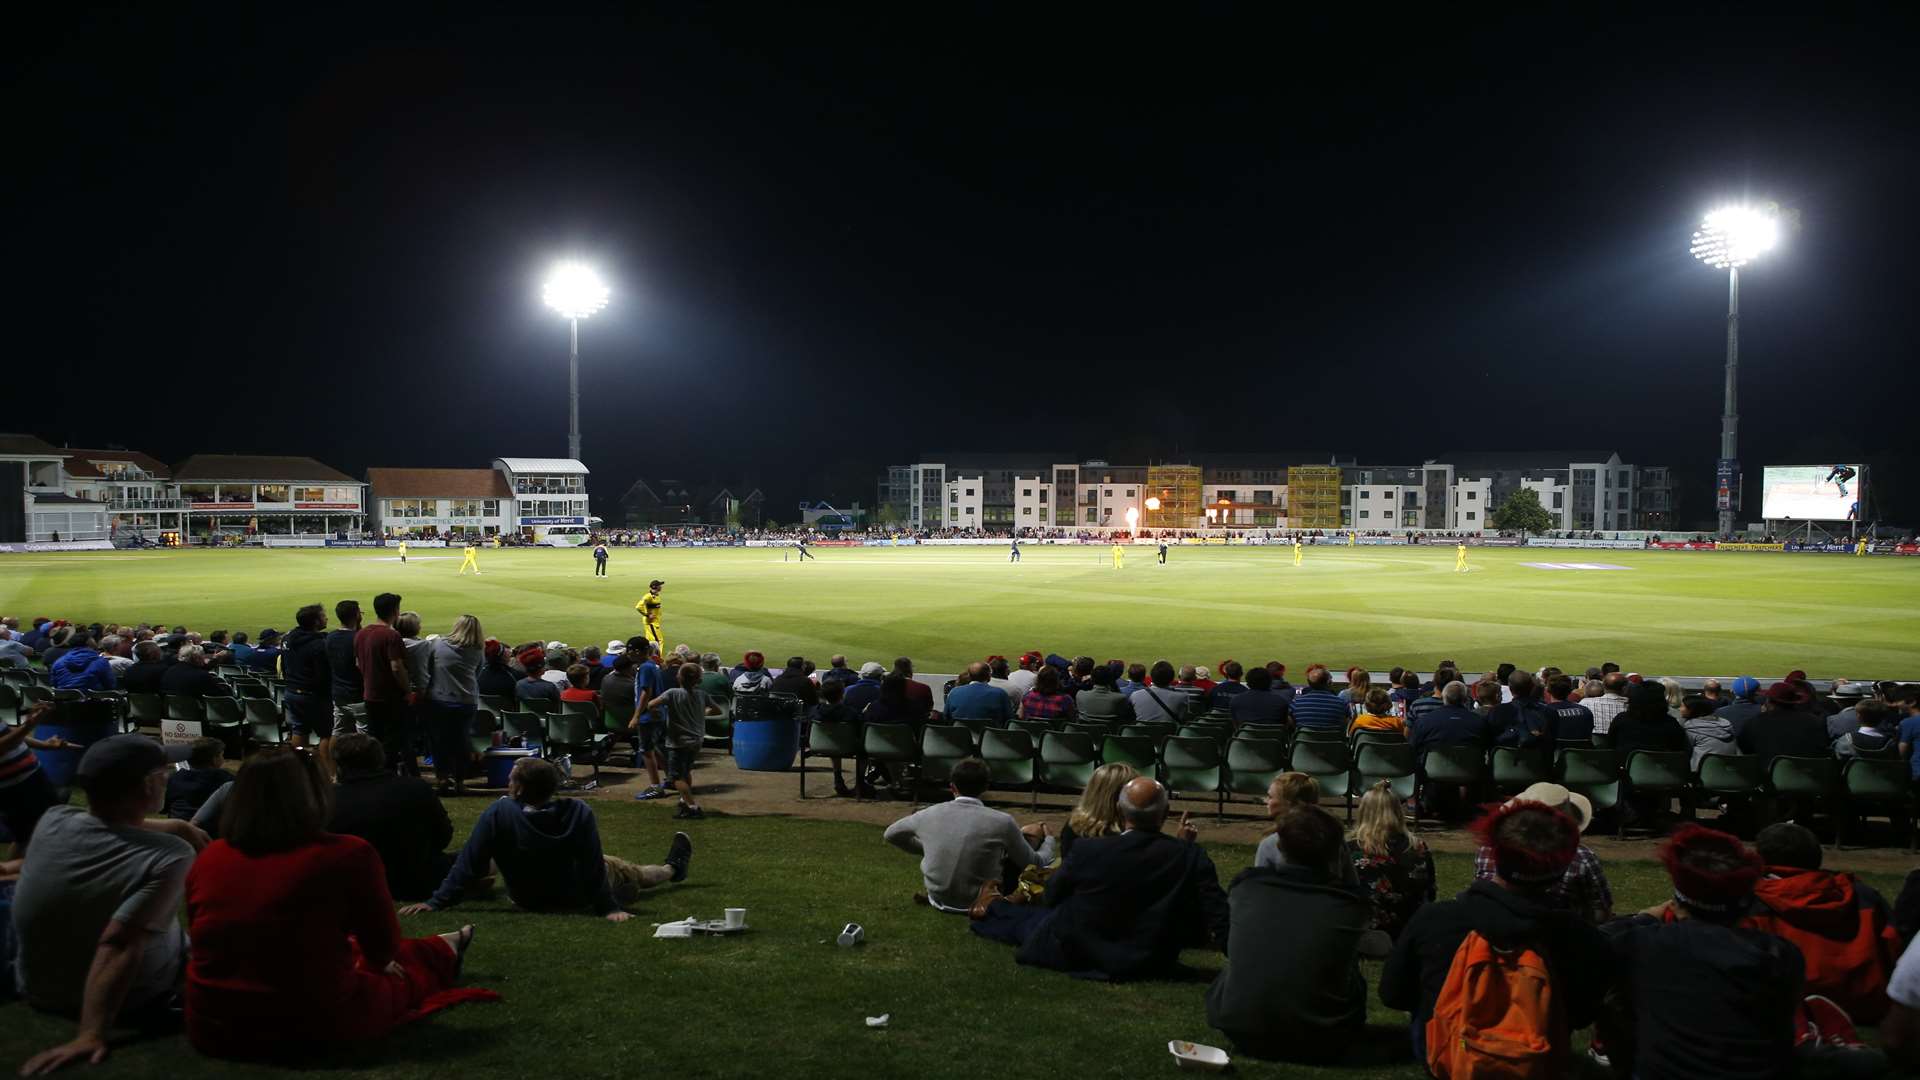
x: 1122, y: 907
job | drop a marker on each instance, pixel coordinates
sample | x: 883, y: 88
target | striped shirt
x: 17, y: 764
x: 1321, y: 709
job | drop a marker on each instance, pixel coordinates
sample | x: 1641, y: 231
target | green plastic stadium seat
x: 481, y: 729
x: 524, y: 728
x: 1252, y: 763
x: 1329, y: 763
x: 1138, y: 751
x: 1194, y: 765
x: 1516, y: 770
x: 1594, y: 773
x: 1666, y: 774
x: 1009, y: 757
x: 835, y: 738
x: 146, y: 710
x: 1392, y: 762
x: 1067, y: 759
x: 1883, y: 786
x: 1736, y: 775
x: 570, y: 735
x: 185, y: 707
x: 1035, y: 729
x: 264, y: 722
x: 941, y: 748
x: 10, y: 702
x: 1814, y: 778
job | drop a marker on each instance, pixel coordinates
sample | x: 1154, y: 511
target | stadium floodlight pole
x: 1730, y: 238
x: 575, y: 291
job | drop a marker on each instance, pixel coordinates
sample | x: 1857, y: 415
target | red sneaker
x: 1829, y: 1023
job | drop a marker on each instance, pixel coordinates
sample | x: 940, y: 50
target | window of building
x: 1026, y: 511
x: 1129, y: 493
x: 1026, y: 493
x: 1386, y: 513
x: 1365, y: 513
x: 1471, y: 515
x: 273, y: 493
x: 1365, y: 494
x: 953, y: 496
x: 969, y: 493
x: 1093, y: 516
x: 1043, y: 494
x: 1558, y: 498
x: 1472, y: 496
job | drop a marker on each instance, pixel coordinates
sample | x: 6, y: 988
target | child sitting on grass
x: 188, y: 789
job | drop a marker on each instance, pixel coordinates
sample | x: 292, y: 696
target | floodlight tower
x: 575, y: 291
x: 1730, y: 238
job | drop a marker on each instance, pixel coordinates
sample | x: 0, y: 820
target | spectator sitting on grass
x: 1124, y: 906
x: 1394, y: 866
x: 548, y: 851
x: 188, y: 789
x: 1291, y: 988
x: 1158, y: 702
x: 398, y: 815
x: 294, y: 942
x: 1842, y: 926
x: 963, y: 844
x: 97, y: 910
x: 1706, y: 995
x: 1098, y: 811
x: 1530, y: 845
x: 977, y: 702
x: 1583, y: 890
x: 1284, y: 792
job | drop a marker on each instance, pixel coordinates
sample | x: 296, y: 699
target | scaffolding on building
x: 1313, y: 497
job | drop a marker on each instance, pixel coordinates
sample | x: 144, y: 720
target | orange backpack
x: 1496, y: 1016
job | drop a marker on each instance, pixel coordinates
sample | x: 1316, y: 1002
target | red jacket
x: 1844, y: 930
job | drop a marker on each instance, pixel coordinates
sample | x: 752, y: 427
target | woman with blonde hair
x: 1288, y: 790
x: 453, y: 694
x: 1359, y: 681
x: 1378, y: 715
x: 1676, y: 697
x: 1099, y: 811
x: 1394, y: 866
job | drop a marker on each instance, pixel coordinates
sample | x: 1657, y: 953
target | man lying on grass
x: 548, y: 852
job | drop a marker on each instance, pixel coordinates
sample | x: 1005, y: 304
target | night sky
x: 836, y: 241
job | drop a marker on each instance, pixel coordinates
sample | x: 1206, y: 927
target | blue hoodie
x: 81, y: 669
x: 549, y: 856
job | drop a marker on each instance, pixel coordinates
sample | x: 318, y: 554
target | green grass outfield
x: 1695, y: 613
x: 587, y: 998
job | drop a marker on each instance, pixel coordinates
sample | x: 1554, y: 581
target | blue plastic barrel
x: 500, y: 762
x: 765, y: 745
x: 77, y: 730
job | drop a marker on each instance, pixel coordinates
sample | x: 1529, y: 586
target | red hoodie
x: 1845, y: 932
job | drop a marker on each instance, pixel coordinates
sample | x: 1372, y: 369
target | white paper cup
x: 736, y: 918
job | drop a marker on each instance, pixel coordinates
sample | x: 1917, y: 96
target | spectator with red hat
x: 1702, y: 993
x: 1531, y: 846
x: 497, y: 677
x: 535, y: 686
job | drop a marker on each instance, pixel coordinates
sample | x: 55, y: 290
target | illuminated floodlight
x: 1734, y: 236
x: 574, y: 290
x: 1153, y: 502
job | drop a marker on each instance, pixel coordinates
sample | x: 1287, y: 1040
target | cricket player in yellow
x: 1460, y: 558
x: 471, y: 561
x: 649, y: 609
x: 403, y: 551
x: 1296, y: 551
x: 1861, y: 549
x: 1119, y: 554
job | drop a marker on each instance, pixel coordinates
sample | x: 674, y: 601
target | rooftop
x: 80, y: 462
x: 542, y: 465
x: 27, y: 446
x: 202, y: 468
x: 439, y: 483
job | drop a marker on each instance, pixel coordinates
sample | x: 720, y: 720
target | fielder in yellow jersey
x: 1296, y: 551
x: 471, y: 561
x: 403, y: 551
x: 1460, y: 558
x: 1119, y: 553
x: 649, y: 609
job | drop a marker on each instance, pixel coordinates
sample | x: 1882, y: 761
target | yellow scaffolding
x: 1178, y: 489
x: 1313, y: 497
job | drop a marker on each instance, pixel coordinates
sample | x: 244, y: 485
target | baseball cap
x: 555, y: 645
x: 872, y: 670
x: 654, y: 582
x: 115, y: 765
x: 269, y: 634
x: 1744, y: 685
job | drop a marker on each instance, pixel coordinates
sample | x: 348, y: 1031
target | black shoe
x: 679, y: 855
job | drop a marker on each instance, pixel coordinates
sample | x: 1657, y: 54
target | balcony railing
x: 147, y: 504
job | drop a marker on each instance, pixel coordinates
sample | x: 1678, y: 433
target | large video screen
x: 1813, y: 492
